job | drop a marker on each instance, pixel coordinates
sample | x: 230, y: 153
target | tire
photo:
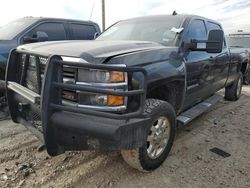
x: 145, y: 158
x: 233, y: 92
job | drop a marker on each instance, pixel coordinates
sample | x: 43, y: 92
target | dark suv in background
x: 38, y: 29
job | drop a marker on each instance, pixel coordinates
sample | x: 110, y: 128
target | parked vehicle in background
x: 126, y: 90
x: 38, y: 29
x: 239, y: 39
x: 240, y: 44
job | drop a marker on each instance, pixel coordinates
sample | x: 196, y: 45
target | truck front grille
x: 32, y: 75
x: 69, y: 76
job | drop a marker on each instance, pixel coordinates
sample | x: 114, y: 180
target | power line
x: 93, y: 6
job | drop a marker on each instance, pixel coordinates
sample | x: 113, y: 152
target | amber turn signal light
x: 117, y: 76
x: 115, y: 100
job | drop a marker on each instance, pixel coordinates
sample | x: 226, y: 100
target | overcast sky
x: 233, y: 14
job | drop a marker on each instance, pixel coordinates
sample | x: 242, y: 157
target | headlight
x: 100, y: 76
x: 112, y: 80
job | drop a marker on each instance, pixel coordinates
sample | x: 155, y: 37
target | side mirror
x: 214, y: 44
x: 40, y: 36
x: 215, y: 41
x: 96, y: 35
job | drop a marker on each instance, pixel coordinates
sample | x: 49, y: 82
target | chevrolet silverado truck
x: 127, y: 90
x: 240, y: 44
x: 37, y: 29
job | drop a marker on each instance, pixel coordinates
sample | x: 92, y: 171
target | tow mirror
x: 214, y: 44
x: 40, y: 36
x: 215, y: 41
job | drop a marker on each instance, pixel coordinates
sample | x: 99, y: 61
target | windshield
x: 162, y: 31
x: 12, y: 29
x: 239, y: 41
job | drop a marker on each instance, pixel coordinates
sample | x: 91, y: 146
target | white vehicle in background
x: 240, y: 44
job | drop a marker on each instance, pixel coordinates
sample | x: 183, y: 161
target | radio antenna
x: 91, y: 13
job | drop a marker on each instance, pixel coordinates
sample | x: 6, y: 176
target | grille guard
x: 51, y: 89
x: 53, y: 85
x: 51, y: 103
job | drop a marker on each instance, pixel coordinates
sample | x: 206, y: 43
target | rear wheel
x: 160, y: 137
x: 233, y: 92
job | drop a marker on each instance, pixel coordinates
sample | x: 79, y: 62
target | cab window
x: 197, y: 30
x: 82, y: 31
x: 55, y: 31
x: 211, y: 26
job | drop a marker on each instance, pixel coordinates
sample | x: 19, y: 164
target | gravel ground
x: 190, y: 164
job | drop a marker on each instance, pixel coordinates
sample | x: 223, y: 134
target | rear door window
x: 211, y: 26
x: 82, y: 31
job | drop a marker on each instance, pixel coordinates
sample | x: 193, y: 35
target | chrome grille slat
x: 31, y: 81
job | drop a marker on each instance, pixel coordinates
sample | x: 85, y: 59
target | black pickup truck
x: 127, y: 90
x: 37, y: 29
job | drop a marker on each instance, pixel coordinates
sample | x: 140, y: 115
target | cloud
x: 74, y: 13
x: 239, y: 5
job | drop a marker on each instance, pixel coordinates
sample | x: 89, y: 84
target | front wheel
x: 160, y: 137
x: 233, y: 92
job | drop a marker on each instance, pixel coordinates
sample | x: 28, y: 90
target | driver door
x: 198, y: 64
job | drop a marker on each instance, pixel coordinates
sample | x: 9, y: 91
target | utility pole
x: 103, y: 15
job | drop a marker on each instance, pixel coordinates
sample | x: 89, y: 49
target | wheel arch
x: 172, y: 91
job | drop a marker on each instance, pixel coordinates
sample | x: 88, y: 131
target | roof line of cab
x: 56, y: 19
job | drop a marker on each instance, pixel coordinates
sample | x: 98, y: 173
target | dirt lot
x: 190, y: 163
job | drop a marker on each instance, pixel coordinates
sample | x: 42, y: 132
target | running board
x: 187, y: 116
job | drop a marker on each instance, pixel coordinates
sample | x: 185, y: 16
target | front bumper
x: 81, y: 132
x: 73, y: 128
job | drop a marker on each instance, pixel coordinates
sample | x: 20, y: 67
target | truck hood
x: 95, y: 51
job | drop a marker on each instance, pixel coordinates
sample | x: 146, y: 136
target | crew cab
x: 37, y: 29
x: 127, y: 90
